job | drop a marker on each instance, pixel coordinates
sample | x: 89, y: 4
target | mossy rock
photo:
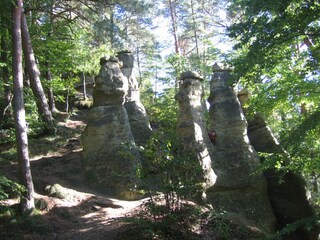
x: 44, y: 204
x: 57, y: 191
x: 84, y: 104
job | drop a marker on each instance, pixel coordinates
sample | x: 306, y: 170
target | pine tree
x: 27, y: 200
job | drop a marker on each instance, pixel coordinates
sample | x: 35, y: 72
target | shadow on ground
x: 80, y: 215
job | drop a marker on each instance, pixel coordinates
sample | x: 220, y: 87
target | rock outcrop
x: 111, y: 86
x: 191, y: 128
x: 287, y: 194
x: 238, y: 188
x: 286, y: 189
x: 260, y: 135
x: 110, y: 163
x: 138, y: 119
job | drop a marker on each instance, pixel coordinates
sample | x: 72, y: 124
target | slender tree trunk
x: 139, y: 66
x: 174, y: 26
x: 5, y: 76
x: 50, y: 93
x: 27, y: 201
x: 67, y: 100
x: 48, y: 76
x: 194, y: 26
x: 34, y: 76
x: 155, y: 88
x: 84, y: 86
x: 126, y: 41
x: 112, y: 33
x: 26, y: 78
x: 204, y: 43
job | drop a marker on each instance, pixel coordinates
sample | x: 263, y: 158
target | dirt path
x: 82, y: 214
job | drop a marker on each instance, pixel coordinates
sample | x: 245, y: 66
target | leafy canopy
x: 277, y: 58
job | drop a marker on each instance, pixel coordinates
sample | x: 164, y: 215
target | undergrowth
x: 190, y: 222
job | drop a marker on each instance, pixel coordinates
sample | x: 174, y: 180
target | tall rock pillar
x: 237, y: 189
x: 191, y: 128
x: 109, y: 162
x: 138, y: 119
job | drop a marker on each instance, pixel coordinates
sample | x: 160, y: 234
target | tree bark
x: 5, y: 76
x: 84, y: 86
x: 194, y: 26
x: 48, y: 74
x: 50, y: 93
x: 34, y: 75
x: 27, y: 201
x: 112, y: 32
x: 174, y: 24
x: 67, y: 100
x: 174, y: 27
x: 139, y: 67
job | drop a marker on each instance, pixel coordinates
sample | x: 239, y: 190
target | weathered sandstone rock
x: 191, y: 129
x: 138, y: 119
x: 111, y: 85
x: 286, y: 189
x: 109, y: 161
x: 238, y: 188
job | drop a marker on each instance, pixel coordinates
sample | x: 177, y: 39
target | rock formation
x: 138, y: 119
x: 237, y: 189
x: 286, y: 189
x: 109, y: 162
x: 191, y: 128
x: 288, y: 198
x: 260, y: 135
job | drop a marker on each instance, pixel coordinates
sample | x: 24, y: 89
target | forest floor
x: 81, y: 214
x: 78, y: 213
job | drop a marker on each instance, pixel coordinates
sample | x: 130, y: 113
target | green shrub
x: 170, y: 171
x: 8, y: 155
x: 9, y: 188
x: 167, y: 225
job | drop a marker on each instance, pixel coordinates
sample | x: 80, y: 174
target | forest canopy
x: 277, y: 57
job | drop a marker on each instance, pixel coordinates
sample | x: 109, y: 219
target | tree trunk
x: 174, y: 26
x: 50, y: 94
x: 139, y: 67
x: 112, y: 33
x: 34, y: 75
x: 67, y: 100
x: 204, y: 41
x: 48, y: 75
x: 6, y: 112
x: 194, y: 26
x: 27, y: 201
x: 84, y: 86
